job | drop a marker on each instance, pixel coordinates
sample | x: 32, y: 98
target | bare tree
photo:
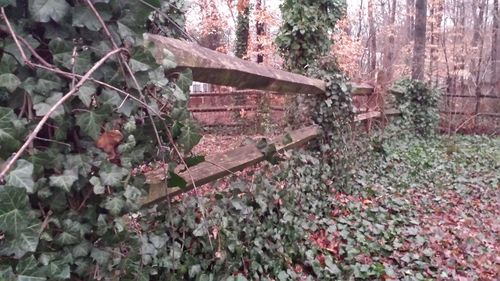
x: 419, y: 45
x: 495, y: 57
x: 372, y: 38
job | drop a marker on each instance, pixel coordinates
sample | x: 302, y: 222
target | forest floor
x: 419, y: 210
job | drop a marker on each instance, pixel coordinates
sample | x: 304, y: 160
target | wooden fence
x: 212, y: 67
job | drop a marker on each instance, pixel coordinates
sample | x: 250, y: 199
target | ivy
x: 242, y: 32
x: 63, y: 204
x: 418, y: 105
x: 304, y: 35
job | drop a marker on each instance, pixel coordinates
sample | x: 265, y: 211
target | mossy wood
x: 212, y: 67
x: 223, y: 164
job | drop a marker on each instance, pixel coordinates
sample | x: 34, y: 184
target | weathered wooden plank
x: 216, y: 68
x: 361, y: 89
x: 367, y: 115
x: 227, y: 162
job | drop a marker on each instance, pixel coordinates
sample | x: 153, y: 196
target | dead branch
x: 46, y: 117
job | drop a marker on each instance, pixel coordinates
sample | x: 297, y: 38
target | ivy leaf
x: 90, y: 123
x: 9, y: 131
x: 22, y: 233
x: 112, y: 175
x: 43, y: 108
x: 4, y: 3
x: 100, y: 257
x: 84, y: 17
x: 67, y: 238
x: 13, y: 202
x: 64, y: 181
x: 175, y: 180
x: 58, y: 270
x: 22, y: 176
x: 185, y: 80
x: 45, y: 10
x: 85, y: 94
x: 9, y: 81
x: 114, y: 205
x: 189, y: 136
x: 168, y: 61
x: 194, y: 160
x: 98, y: 187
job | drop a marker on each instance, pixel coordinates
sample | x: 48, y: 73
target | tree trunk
x: 419, y: 45
x: 372, y: 38
x: 261, y: 31
x: 410, y: 19
x: 495, y: 56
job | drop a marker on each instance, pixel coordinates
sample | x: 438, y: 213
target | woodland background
x: 374, y: 43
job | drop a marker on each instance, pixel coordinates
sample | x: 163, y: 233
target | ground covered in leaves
x: 419, y: 210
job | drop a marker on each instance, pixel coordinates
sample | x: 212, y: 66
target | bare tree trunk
x: 360, y: 19
x: 419, y: 45
x: 410, y: 19
x: 390, y: 52
x: 260, y: 30
x: 478, y: 27
x: 372, y: 38
x: 495, y: 57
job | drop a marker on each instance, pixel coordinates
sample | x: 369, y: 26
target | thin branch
x: 179, y: 154
x: 124, y: 64
x: 46, y: 117
x: 170, y: 20
x: 12, y: 33
x: 49, y: 67
x: 54, y: 141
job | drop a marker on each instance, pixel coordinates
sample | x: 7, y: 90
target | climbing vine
x: 418, y: 104
x: 84, y: 103
x: 304, y: 35
x: 242, y: 32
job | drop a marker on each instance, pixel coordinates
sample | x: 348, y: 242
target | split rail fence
x: 215, y: 68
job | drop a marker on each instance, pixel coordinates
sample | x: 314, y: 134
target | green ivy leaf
x: 64, y: 181
x: 185, y: 80
x: 42, y: 108
x: 101, y: 257
x: 112, y: 175
x: 9, y: 131
x: 194, y: 160
x: 98, y: 187
x: 4, y: 3
x: 174, y: 180
x: 114, y: 205
x: 22, y: 176
x: 85, y: 94
x: 190, y: 136
x: 9, y: 81
x: 84, y: 17
x: 13, y: 202
x: 45, y: 10
x: 22, y: 232
x: 90, y: 123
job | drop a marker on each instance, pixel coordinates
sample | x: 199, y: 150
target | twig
x: 124, y: 64
x: 170, y: 20
x: 54, y: 141
x: 179, y: 154
x: 12, y: 33
x: 45, y: 221
x: 219, y: 166
x: 46, y: 117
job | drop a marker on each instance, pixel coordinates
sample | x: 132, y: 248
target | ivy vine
x: 79, y: 85
x: 418, y: 105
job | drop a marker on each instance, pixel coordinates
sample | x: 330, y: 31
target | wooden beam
x: 209, y: 66
x: 225, y: 163
x: 367, y: 115
x: 361, y: 89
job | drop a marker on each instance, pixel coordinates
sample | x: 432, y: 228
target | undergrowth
x: 290, y: 222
